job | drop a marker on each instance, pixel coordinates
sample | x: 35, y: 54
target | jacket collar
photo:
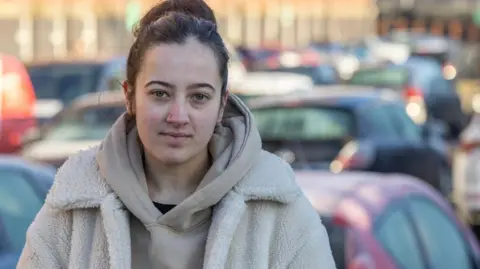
x: 79, y: 184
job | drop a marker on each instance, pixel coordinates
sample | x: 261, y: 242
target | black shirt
x: 164, y: 208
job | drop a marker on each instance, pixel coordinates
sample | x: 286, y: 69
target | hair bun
x: 196, y: 8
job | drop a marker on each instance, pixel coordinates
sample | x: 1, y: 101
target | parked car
x: 421, y: 82
x: 256, y: 84
x: 322, y: 72
x: 83, y: 124
x: 446, y: 52
x: 17, y: 99
x: 257, y: 59
x: 58, y: 83
x: 23, y: 188
x: 340, y: 130
x: 388, y: 222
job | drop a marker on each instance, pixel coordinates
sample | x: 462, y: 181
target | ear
x: 222, y: 107
x: 128, y: 102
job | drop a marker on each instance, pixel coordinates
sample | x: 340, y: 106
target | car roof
x: 21, y: 163
x: 339, y: 95
x: 269, y: 76
x: 98, y: 99
x: 370, y: 192
x: 272, y: 83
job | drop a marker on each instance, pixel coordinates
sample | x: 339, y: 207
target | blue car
x: 23, y: 188
x: 58, y: 83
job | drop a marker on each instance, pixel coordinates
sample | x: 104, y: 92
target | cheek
x: 149, y: 111
x: 205, y: 122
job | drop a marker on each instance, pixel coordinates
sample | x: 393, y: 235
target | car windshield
x: 304, y: 123
x: 380, y: 77
x: 336, y: 236
x: 65, y: 81
x: 19, y: 203
x: 91, y: 123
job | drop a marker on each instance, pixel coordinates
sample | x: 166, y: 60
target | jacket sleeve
x: 315, y: 253
x: 47, y: 240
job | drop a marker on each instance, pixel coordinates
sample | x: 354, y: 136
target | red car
x: 17, y: 103
x: 377, y: 221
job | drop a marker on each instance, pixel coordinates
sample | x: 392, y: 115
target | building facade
x: 55, y: 29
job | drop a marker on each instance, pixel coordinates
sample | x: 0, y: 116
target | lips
x: 175, y: 134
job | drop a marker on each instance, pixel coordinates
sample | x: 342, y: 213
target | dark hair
x: 173, y: 23
x: 195, y: 8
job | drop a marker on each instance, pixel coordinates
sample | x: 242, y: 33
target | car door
x: 395, y: 148
x: 425, y: 162
x: 444, y: 243
x: 395, y: 233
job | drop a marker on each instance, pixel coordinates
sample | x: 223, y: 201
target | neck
x: 171, y: 184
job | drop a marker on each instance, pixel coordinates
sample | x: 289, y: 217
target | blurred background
x: 53, y: 29
x: 374, y: 104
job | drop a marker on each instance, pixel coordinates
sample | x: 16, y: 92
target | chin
x: 172, y: 157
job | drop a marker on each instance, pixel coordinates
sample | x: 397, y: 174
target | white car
x: 271, y: 83
x: 82, y: 125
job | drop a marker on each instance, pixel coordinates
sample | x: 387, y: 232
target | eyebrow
x: 171, y: 86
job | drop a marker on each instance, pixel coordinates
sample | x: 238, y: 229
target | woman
x: 180, y: 181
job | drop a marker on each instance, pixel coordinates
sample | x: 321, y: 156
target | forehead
x: 189, y: 60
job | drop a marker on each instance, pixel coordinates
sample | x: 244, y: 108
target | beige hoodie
x: 177, y: 239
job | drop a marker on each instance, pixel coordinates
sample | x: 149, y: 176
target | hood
x: 235, y: 148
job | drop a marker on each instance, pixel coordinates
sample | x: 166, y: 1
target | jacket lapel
x: 226, y: 217
x: 117, y: 230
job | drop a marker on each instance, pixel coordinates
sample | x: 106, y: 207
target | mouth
x: 175, y: 134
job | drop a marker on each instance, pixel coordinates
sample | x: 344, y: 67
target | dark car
x: 383, y: 221
x: 23, y: 188
x: 341, y: 130
x: 58, y: 83
x: 421, y: 81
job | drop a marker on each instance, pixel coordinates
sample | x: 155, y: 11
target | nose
x: 177, y: 114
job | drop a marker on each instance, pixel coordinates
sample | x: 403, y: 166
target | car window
x: 443, y: 242
x: 378, y: 122
x: 304, y: 123
x: 380, y: 77
x: 404, y: 125
x: 115, y: 80
x: 395, y: 233
x: 91, y: 123
x: 64, y: 81
x: 19, y: 203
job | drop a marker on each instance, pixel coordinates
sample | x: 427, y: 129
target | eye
x: 159, y: 93
x: 199, y: 97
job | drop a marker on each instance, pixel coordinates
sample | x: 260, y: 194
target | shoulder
x: 270, y: 178
x: 78, y: 182
x: 275, y: 179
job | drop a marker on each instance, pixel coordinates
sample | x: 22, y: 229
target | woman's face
x: 178, y: 100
